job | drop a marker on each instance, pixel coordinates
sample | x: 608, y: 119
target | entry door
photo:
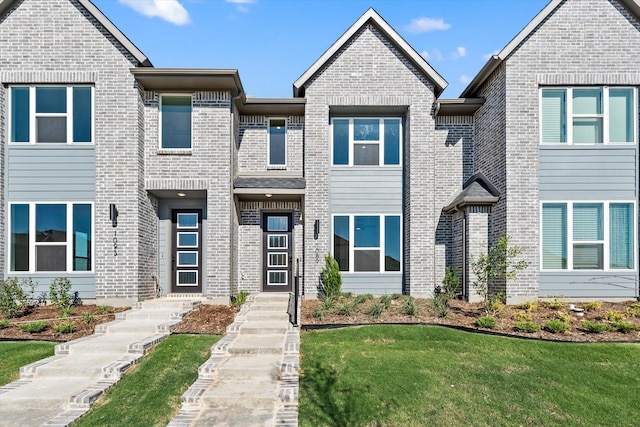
x: 277, y: 246
x: 186, y: 260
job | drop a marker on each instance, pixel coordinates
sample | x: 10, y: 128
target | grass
x: 19, y: 353
x: 412, y: 375
x: 149, y: 395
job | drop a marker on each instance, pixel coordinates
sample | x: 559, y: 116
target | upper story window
x: 366, y: 141
x: 51, y: 114
x: 277, y: 149
x: 175, y: 121
x: 588, y: 115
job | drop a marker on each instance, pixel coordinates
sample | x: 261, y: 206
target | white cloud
x: 425, y: 55
x: 460, y: 52
x: 169, y: 10
x: 241, y: 4
x: 423, y: 25
x: 489, y: 55
x: 465, y: 79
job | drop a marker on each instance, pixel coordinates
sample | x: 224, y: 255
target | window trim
x: 379, y: 142
x: 570, y: 116
x: 607, y: 236
x: 286, y: 144
x: 32, y: 237
x: 173, y: 150
x: 33, y: 115
x: 381, y: 248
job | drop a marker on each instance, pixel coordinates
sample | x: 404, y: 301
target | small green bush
x: 614, y: 316
x: 410, y: 307
x: 594, y: 327
x: 347, y: 294
x: 385, y: 300
x: 376, y: 310
x: 327, y: 302
x: 564, y: 317
x: 526, y: 326
x: 362, y: 298
x: 523, y: 317
x: 240, y: 298
x: 15, y: 295
x: 634, y: 309
x: 556, y: 326
x: 88, y: 318
x: 66, y: 312
x: 529, y: 305
x: 555, y: 304
x: 4, y: 323
x: 33, y: 327
x: 346, y: 309
x: 624, y: 327
x: 440, y: 305
x: 331, y: 277
x: 318, y: 313
x: 592, y: 306
x: 486, y: 322
x: 60, y: 295
x: 64, y: 328
x: 103, y: 309
x: 396, y: 296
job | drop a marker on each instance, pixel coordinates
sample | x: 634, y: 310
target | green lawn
x: 149, y: 395
x: 433, y: 376
x: 15, y: 354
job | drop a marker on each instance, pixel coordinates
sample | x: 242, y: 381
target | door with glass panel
x: 186, y: 260
x: 277, y: 246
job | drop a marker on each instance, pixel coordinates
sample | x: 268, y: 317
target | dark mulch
x: 207, y: 319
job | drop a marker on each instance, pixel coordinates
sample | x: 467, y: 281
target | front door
x: 186, y: 259
x: 277, y: 246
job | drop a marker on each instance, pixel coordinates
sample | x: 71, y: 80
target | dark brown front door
x: 186, y: 259
x: 277, y: 244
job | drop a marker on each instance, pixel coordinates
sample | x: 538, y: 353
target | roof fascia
x: 176, y: 79
x: 273, y: 106
x: 458, y: 106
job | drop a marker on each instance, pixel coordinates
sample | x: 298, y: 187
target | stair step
x: 264, y: 327
x: 257, y: 344
x: 252, y: 366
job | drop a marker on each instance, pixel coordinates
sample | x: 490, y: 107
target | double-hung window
x: 175, y: 122
x: 588, y: 236
x: 588, y: 115
x: 277, y: 145
x: 367, y: 243
x: 51, y: 114
x: 366, y: 141
x: 48, y: 237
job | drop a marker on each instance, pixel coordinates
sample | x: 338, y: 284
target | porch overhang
x: 269, y: 188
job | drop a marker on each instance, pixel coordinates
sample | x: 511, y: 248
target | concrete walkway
x: 251, y: 378
x: 57, y: 390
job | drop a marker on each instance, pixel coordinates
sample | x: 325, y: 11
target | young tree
x: 331, y: 278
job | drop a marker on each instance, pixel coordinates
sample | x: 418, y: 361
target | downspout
x: 232, y: 158
x: 465, y: 287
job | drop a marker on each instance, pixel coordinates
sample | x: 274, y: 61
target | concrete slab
x: 257, y: 344
x: 251, y: 366
x: 247, y: 392
x: 234, y: 417
x: 263, y: 327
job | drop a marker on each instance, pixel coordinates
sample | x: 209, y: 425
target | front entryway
x: 186, y: 259
x: 277, y: 245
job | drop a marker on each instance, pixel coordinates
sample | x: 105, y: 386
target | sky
x: 273, y: 42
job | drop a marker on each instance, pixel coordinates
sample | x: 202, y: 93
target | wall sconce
x: 316, y: 229
x: 113, y: 214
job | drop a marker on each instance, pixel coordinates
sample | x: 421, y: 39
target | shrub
x: 409, y: 306
x: 240, y: 299
x: 486, y: 322
x: 346, y: 309
x: 317, y: 312
x: 529, y: 305
x: 4, y: 323
x: 88, y: 318
x: 523, y: 317
x: 347, y: 294
x: 556, y: 326
x: 624, y: 327
x: 564, y: 317
x: 594, y: 327
x: 66, y: 312
x: 440, y: 306
x: 331, y: 277
x: 634, y: 310
x: 592, y: 306
x: 362, y: 298
x: 614, y: 316
x: 385, y: 300
x: 60, y: 295
x: 14, y: 295
x: 103, y: 309
x: 376, y: 310
x: 64, y: 328
x: 526, y: 326
x: 396, y: 296
x: 448, y: 291
x: 328, y: 302
x: 555, y: 304
x: 33, y: 327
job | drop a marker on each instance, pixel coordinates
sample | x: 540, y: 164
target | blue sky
x: 272, y: 42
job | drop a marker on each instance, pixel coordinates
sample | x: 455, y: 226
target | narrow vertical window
x: 82, y: 114
x: 366, y: 146
x: 19, y: 114
x: 392, y: 243
x: 176, y: 122
x: 341, y: 142
x: 554, y: 116
x: 587, y: 116
x: 51, y: 114
x: 277, y: 142
x: 366, y: 236
x: 82, y: 237
x: 621, y: 120
x: 588, y: 236
x: 19, y: 260
x: 392, y: 142
x: 341, y: 241
x: 554, y: 236
x: 51, y: 237
x: 621, y: 235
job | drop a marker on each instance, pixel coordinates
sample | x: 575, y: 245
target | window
x: 588, y: 236
x: 366, y: 141
x: 48, y: 237
x: 51, y: 114
x: 277, y: 143
x: 175, y: 121
x: 367, y: 243
x: 588, y: 115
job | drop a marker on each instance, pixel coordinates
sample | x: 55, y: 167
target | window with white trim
x: 277, y: 145
x: 367, y: 243
x: 588, y: 236
x: 588, y: 115
x: 175, y: 122
x: 51, y: 114
x: 50, y: 237
x: 375, y: 141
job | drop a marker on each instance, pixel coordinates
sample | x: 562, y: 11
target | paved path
x: 251, y: 378
x: 57, y: 390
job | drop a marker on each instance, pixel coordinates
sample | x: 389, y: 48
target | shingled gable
x: 477, y: 191
x: 371, y: 16
x: 143, y: 61
x: 633, y: 6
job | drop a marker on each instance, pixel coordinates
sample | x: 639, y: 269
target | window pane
x: 51, y: 129
x: 587, y: 130
x: 82, y: 237
x: 20, y: 114
x: 187, y: 220
x: 587, y: 101
x: 19, y: 238
x: 554, y: 113
x: 588, y: 256
x: 277, y: 242
x: 278, y: 223
x: 187, y: 240
x: 82, y: 114
x: 366, y: 130
x: 392, y: 142
x: 187, y: 259
x: 554, y: 236
x: 277, y: 277
x: 187, y: 278
x: 277, y: 145
x: 51, y: 223
x: 588, y: 221
x: 278, y: 260
x: 176, y: 122
x: 51, y: 258
x: 367, y: 231
x: 366, y: 154
x: 621, y: 115
x: 341, y: 142
x: 621, y: 232
x: 366, y: 260
x: 51, y: 100
x: 341, y: 241
x: 392, y: 243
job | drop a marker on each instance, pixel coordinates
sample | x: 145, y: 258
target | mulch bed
x: 207, y: 319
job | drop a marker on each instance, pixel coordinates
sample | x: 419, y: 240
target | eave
x: 189, y: 79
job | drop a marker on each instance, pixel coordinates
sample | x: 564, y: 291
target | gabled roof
x: 477, y: 191
x: 372, y: 16
x: 633, y: 6
x: 104, y: 21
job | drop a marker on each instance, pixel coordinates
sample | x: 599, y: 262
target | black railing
x: 296, y: 293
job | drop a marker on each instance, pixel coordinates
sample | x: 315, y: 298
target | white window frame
x: 607, y: 236
x: 179, y: 246
x: 286, y: 237
x: 69, y: 242
x: 286, y: 260
x: 68, y: 114
x: 188, y: 285
x: 160, y: 136
x: 179, y: 264
x: 379, y: 142
x: 286, y: 144
x: 381, y: 248
x: 604, y: 116
x: 179, y: 227
x: 286, y: 278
